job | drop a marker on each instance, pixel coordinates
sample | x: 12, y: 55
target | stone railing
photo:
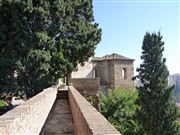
x: 87, y: 120
x: 29, y: 117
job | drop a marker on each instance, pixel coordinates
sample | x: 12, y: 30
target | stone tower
x: 114, y: 70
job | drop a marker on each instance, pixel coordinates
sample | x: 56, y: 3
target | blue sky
x: 124, y: 24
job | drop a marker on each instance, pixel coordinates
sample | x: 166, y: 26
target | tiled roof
x: 113, y: 56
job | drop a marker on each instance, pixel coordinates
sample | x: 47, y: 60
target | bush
x: 178, y: 112
x: 119, y: 108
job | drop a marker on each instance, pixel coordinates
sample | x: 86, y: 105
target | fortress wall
x: 29, y: 117
x: 88, y: 87
x: 87, y: 120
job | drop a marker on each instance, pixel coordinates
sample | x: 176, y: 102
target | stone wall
x: 103, y: 71
x: 119, y: 80
x: 87, y: 120
x: 29, y: 117
x: 91, y: 85
x: 110, y: 73
x: 89, y: 88
x: 85, y: 71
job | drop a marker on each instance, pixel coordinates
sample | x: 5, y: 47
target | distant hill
x: 172, y: 80
x: 175, y: 80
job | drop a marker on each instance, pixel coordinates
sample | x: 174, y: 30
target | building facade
x: 113, y: 70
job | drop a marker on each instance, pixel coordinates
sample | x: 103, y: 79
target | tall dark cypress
x: 43, y: 40
x: 157, y: 112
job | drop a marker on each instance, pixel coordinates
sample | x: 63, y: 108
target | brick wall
x: 29, y: 117
x: 87, y: 120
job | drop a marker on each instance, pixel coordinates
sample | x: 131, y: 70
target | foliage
x: 157, y: 109
x: 119, y: 108
x: 91, y: 99
x: 178, y: 123
x: 176, y: 92
x: 43, y: 40
x: 178, y: 117
x: 178, y: 112
x: 2, y: 103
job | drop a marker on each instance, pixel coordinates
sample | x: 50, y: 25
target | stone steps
x: 62, y: 94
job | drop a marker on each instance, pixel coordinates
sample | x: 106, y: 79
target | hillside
x: 175, y: 80
x: 172, y: 80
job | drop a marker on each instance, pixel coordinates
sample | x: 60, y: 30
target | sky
x: 125, y: 22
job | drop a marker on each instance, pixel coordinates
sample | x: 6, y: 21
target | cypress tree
x: 43, y: 40
x: 157, y: 112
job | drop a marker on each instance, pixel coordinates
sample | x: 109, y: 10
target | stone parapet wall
x: 91, y: 85
x: 29, y: 117
x: 87, y: 120
x: 88, y: 87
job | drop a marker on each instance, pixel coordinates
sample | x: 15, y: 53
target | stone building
x: 113, y: 70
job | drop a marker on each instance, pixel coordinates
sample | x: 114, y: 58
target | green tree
x: 43, y: 40
x: 119, y: 108
x: 157, y: 113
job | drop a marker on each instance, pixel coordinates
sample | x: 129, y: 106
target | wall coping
x: 30, y: 116
x: 94, y: 122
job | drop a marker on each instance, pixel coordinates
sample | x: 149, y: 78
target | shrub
x: 119, y: 108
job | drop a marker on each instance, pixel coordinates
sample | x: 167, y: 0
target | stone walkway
x: 60, y: 121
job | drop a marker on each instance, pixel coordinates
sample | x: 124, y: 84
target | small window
x: 124, y: 73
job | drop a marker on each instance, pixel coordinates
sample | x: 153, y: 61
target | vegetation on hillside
x: 119, y: 108
x: 157, y: 113
x: 176, y: 93
x: 41, y: 41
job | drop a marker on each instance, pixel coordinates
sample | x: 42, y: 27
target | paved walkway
x: 60, y: 121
